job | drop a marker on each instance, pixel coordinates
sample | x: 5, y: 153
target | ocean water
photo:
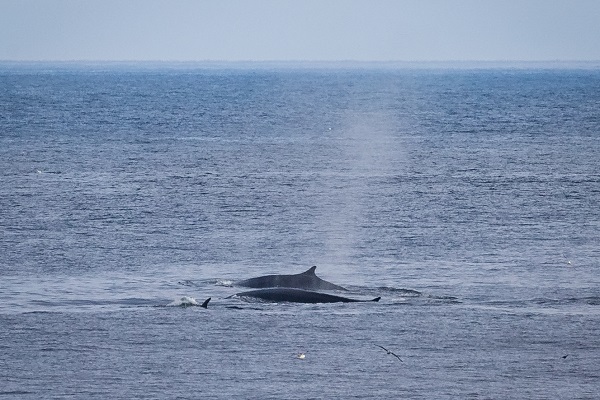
x: 467, y: 198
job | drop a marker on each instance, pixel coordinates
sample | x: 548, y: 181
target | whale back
x: 304, y: 280
x: 292, y: 295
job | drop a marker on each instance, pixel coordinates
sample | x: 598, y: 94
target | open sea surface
x: 467, y: 198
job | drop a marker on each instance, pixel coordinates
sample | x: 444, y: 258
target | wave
x: 545, y: 305
x: 589, y: 300
x: 401, y: 291
x: 33, y: 306
x: 14, y: 392
x: 216, y: 282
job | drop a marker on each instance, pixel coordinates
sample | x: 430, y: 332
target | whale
x: 304, y: 280
x: 291, y: 295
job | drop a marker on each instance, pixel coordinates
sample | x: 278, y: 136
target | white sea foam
x: 185, y: 301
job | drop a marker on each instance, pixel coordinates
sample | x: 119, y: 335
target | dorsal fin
x: 310, y: 271
x: 205, y: 304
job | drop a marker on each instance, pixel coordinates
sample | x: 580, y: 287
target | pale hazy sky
x: 326, y: 30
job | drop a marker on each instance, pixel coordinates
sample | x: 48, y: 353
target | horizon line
x: 322, y: 61
x: 435, y: 64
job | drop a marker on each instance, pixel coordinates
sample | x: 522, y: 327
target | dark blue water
x: 468, y: 199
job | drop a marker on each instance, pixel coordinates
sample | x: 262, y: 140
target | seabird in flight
x: 390, y: 352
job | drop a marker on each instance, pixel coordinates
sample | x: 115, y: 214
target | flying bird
x: 390, y: 352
